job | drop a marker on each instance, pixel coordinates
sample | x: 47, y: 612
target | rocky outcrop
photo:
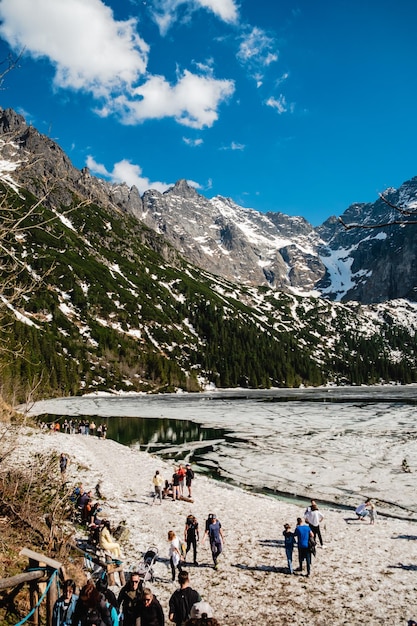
x: 242, y: 245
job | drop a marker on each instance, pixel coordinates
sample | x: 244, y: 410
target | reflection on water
x: 152, y: 434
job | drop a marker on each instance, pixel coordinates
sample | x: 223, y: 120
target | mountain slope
x: 243, y: 245
x: 103, y: 302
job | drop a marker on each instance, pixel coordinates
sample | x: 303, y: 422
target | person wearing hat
x: 201, y: 614
x: 216, y: 537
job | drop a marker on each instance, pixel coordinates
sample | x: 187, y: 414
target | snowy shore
x: 364, y: 575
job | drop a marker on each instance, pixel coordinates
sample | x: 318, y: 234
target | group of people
x: 97, y: 605
x: 80, y: 427
x: 365, y: 510
x: 99, y: 529
x: 182, y: 478
x: 305, y: 536
x: 178, y: 550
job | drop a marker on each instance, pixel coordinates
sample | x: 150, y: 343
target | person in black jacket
x: 91, y: 608
x: 189, y: 477
x: 191, y: 535
x: 129, y: 598
x: 149, y: 610
x: 182, y: 600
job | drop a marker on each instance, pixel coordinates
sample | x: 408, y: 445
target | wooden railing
x: 41, y: 576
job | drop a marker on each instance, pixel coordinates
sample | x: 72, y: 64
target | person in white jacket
x: 313, y: 518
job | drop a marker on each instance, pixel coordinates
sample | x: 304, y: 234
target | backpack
x: 312, y: 545
x: 93, y: 618
x: 182, y: 601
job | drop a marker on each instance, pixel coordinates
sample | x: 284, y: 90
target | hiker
x: 313, y: 518
x: 64, y: 607
x: 303, y: 534
x: 371, y: 508
x: 189, y: 476
x: 289, y: 540
x: 157, y: 481
x: 182, y: 600
x: 175, y: 486
x: 216, y: 538
x: 149, y: 610
x: 129, y: 598
x: 174, y: 553
x: 63, y: 464
x: 191, y: 535
x: 361, y: 511
x: 181, y: 471
x: 91, y: 608
x: 107, y: 542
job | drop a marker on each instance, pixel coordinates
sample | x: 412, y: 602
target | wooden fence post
x: 40, y: 561
x: 34, y: 595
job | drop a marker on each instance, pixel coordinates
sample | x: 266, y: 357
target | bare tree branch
x: 398, y: 222
x: 12, y: 63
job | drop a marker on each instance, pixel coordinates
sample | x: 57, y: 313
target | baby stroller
x: 145, y: 567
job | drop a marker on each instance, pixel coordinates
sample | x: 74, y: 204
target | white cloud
x: 279, y: 104
x: 94, y: 53
x: 90, y: 50
x: 126, y: 172
x: 257, y: 49
x: 192, y: 142
x: 282, y: 78
x: 165, y: 12
x: 234, y: 146
x: 226, y: 10
x: 193, y: 101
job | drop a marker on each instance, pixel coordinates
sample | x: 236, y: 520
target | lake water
x: 338, y: 444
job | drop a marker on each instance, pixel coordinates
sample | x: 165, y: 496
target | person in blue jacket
x: 303, y: 533
x: 65, y: 605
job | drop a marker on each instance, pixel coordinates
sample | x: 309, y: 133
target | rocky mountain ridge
x: 243, y: 245
x: 100, y: 289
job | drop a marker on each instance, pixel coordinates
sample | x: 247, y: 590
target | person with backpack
x: 91, y: 608
x: 191, y: 535
x: 182, y: 600
x: 103, y: 587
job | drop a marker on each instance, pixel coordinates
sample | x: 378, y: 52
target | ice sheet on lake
x: 313, y: 447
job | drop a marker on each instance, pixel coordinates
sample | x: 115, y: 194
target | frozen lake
x: 338, y: 445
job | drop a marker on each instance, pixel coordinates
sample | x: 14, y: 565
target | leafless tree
x: 407, y: 216
x: 9, y: 64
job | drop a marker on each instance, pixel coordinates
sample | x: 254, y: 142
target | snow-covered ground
x: 365, y: 574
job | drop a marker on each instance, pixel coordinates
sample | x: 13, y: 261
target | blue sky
x: 294, y: 106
